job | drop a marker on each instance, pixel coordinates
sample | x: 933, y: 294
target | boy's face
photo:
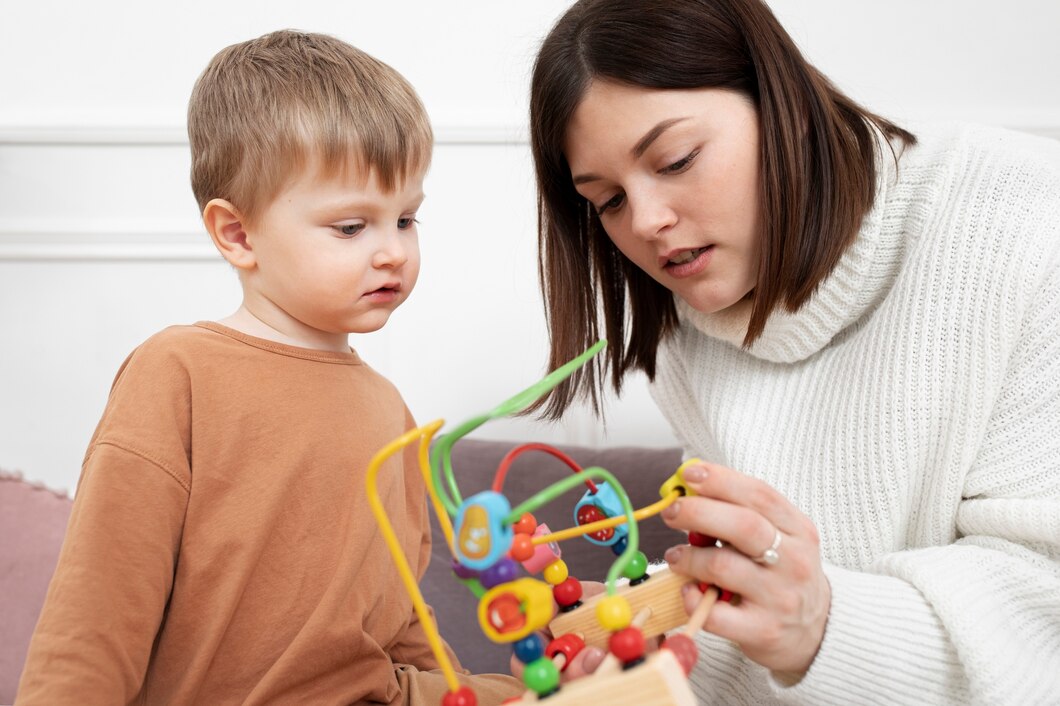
x: 334, y: 255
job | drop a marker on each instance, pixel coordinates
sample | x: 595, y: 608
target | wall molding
x: 101, y: 135
x: 53, y: 240
x: 143, y: 245
x: 174, y: 135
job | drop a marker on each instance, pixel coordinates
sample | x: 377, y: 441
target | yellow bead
x: 614, y: 613
x: 556, y: 572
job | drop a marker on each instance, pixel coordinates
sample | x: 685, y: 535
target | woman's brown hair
x: 818, y: 170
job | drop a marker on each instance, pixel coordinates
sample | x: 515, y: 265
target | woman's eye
x: 407, y: 222
x: 349, y: 229
x: 613, y: 202
x: 681, y: 164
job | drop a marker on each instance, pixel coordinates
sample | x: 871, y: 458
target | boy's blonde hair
x: 266, y: 108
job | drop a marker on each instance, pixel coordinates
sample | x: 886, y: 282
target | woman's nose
x: 651, y: 215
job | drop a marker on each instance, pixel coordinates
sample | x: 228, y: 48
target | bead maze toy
x: 490, y: 540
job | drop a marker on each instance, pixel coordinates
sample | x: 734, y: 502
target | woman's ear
x: 225, y: 225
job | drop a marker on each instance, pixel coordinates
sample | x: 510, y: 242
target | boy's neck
x: 245, y: 321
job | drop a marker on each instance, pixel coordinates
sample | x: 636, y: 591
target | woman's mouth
x: 686, y: 263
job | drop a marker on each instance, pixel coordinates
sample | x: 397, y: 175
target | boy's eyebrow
x: 640, y: 148
x: 358, y: 204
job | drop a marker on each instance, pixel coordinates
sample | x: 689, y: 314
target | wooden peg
x: 661, y: 593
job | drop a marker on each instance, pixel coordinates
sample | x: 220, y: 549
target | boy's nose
x: 392, y: 253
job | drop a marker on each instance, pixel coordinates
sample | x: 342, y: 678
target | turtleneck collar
x: 860, y: 280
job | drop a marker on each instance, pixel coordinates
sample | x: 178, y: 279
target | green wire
x: 440, y: 455
x: 558, y: 488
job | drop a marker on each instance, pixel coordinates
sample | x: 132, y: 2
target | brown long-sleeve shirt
x: 221, y: 548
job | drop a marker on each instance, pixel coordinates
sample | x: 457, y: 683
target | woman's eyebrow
x: 640, y: 148
x: 649, y: 137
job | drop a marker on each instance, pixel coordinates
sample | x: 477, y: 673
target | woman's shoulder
x: 977, y: 147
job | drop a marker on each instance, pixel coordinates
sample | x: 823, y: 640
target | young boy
x: 221, y: 548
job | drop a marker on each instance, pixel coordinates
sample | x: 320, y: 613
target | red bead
x: 724, y: 594
x: 522, y: 547
x: 700, y: 540
x: 525, y: 525
x: 464, y: 696
x: 567, y: 593
x: 684, y: 649
x: 627, y: 644
x: 568, y: 645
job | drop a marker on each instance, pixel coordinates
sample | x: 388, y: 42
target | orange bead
x: 525, y: 525
x: 522, y: 547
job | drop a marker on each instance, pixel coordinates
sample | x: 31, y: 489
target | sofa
x: 33, y: 519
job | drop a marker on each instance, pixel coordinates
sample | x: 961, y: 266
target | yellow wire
x: 425, y: 469
x: 580, y: 530
x: 435, y: 640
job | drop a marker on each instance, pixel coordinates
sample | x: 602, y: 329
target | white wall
x: 99, y: 239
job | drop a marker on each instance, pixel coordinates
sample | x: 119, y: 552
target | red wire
x: 506, y: 462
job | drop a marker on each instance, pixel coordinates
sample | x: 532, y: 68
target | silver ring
x: 770, y: 556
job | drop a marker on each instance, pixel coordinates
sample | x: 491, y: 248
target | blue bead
x: 503, y: 571
x: 619, y: 546
x: 529, y: 648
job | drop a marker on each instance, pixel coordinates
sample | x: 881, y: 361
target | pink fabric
x: 32, y: 524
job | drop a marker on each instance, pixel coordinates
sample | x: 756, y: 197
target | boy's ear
x: 224, y: 223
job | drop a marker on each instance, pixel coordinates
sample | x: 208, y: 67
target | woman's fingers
x: 725, y: 568
x: 725, y: 484
x: 741, y: 527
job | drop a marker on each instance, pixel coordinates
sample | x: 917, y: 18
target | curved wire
x: 506, y: 462
x: 558, y: 488
x: 647, y: 511
x: 441, y: 461
x: 392, y: 543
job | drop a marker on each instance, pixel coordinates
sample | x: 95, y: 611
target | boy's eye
x: 407, y: 222
x: 349, y: 229
x: 613, y: 202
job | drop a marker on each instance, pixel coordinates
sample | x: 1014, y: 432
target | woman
x: 858, y: 329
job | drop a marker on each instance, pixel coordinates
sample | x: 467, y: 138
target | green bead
x: 541, y: 676
x: 636, y: 567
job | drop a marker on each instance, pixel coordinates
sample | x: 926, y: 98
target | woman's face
x: 673, y: 175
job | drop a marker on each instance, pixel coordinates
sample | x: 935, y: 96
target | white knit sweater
x: 912, y: 410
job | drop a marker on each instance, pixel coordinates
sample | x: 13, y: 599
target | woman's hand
x: 780, y: 619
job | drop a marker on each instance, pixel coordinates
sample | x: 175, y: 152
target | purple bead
x: 464, y: 572
x: 503, y: 571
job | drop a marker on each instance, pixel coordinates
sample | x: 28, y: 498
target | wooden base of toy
x: 661, y: 593
x: 659, y: 681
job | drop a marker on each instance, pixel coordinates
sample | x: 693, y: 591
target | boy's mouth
x: 387, y: 292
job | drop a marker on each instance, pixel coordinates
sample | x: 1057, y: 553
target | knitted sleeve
x: 978, y: 620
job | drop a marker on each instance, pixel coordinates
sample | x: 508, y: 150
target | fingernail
x: 694, y: 474
x: 673, y: 554
x: 593, y: 657
x: 672, y: 511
